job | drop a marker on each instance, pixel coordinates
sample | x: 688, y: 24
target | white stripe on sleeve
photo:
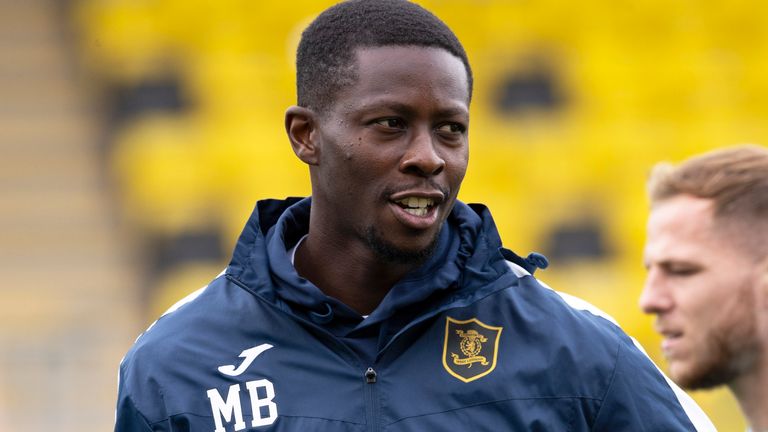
x: 695, y: 414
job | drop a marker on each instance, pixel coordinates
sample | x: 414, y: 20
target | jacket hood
x: 468, y: 264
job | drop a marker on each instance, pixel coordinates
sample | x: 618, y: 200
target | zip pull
x: 370, y: 376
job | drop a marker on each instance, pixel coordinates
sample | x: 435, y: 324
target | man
x: 707, y: 284
x: 382, y: 303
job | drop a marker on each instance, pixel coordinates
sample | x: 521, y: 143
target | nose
x: 421, y: 157
x: 655, y: 298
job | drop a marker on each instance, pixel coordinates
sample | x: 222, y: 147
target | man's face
x: 393, y: 151
x: 703, y: 290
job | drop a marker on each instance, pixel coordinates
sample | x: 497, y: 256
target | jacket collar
x: 467, y: 263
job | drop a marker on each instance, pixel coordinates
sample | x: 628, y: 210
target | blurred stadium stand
x: 574, y: 102
x: 68, y: 305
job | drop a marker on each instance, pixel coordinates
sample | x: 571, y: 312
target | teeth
x: 414, y: 203
x: 417, y: 211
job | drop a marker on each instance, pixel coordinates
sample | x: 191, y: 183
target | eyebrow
x: 450, y: 112
x: 408, y: 110
x: 676, y: 262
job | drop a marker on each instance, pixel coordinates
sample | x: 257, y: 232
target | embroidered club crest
x: 470, y: 348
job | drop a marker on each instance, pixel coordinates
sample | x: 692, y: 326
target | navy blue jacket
x: 469, y: 341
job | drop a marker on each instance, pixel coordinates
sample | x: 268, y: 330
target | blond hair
x: 734, y: 178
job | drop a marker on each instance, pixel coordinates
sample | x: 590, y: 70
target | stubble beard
x: 394, y: 255
x: 729, y: 351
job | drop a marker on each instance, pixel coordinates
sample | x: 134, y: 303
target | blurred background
x: 136, y: 136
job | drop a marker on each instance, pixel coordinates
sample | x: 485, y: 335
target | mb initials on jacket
x: 261, y: 393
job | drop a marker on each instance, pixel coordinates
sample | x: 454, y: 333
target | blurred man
x: 382, y: 302
x: 707, y: 284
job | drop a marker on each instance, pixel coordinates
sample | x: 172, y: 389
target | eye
x: 452, y: 128
x: 451, y: 133
x: 391, y: 123
x: 682, y: 270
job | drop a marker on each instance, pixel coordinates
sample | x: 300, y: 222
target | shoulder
x: 184, y: 318
x: 210, y: 317
x: 577, y: 320
x: 593, y: 338
x: 571, y: 324
x: 182, y: 346
x: 168, y: 334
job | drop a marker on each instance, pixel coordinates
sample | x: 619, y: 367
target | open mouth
x: 670, y: 343
x: 416, y: 206
x: 670, y: 334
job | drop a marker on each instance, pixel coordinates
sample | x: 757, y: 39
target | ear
x: 301, y: 127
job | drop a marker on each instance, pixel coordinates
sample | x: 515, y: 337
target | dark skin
x: 386, y: 163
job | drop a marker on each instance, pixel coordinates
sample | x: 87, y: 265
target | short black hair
x: 325, y: 59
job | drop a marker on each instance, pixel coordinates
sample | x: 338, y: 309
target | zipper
x: 371, y: 401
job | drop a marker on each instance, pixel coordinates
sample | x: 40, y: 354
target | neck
x: 349, y: 272
x: 751, y: 391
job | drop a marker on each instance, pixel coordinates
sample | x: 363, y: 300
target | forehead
x: 400, y: 71
x: 680, y: 221
x: 683, y: 210
x: 684, y: 227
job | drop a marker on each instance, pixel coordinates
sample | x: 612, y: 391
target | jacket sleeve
x: 641, y: 398
x: 127, y: 417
